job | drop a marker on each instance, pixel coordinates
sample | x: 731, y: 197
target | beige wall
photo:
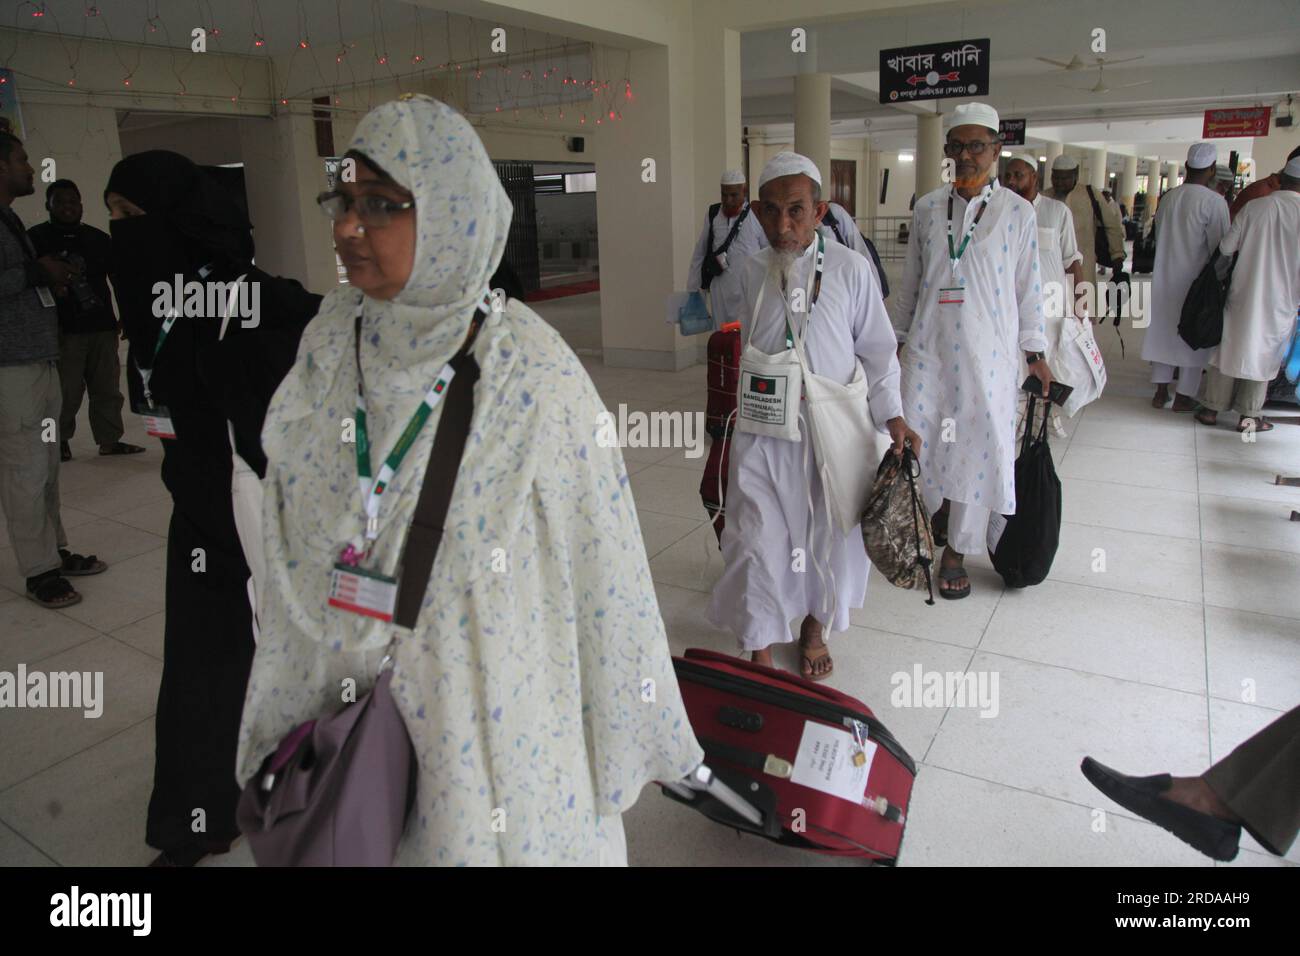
x: 1269, y: 152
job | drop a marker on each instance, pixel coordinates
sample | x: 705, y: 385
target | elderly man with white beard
x: 972, y: 296
x: 788, y: 555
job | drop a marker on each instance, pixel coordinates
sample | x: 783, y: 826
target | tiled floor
x: 1184, y: 645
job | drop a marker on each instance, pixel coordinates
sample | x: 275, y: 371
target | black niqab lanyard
x: 954, y: 256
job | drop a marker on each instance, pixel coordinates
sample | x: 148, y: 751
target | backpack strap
x: 735, y: 228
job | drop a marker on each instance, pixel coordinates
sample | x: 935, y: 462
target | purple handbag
x: 337, y: 791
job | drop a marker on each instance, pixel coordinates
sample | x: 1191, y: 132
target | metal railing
x: 887, y: 233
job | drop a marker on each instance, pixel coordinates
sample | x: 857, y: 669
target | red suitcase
x: 762, y: 729
x: 724, y: 379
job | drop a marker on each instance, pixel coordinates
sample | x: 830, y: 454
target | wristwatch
x: 1032, y: 357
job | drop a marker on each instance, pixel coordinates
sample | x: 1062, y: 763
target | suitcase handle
x: 821, y: 690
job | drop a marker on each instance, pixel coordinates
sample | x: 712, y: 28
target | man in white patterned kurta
x: 771, y: 480
x: 970, y: 322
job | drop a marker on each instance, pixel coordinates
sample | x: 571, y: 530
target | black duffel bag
x: 1201, y: 323
x: 1028, y: 543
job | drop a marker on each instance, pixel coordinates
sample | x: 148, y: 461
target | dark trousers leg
x: 207, y: 654
x: 1260, y: 781
x: 72, y: 378
x: 103, y: 383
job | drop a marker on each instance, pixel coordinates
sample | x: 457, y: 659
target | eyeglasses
x: 975, y: 148
x: 374, y: 211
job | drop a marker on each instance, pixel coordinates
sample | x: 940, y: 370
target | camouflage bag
x: 896, y: 527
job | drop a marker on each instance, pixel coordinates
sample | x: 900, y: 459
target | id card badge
x: 45, y: 295
x: 158, y: 422
x: 359, y: 591
x: 951, y: 297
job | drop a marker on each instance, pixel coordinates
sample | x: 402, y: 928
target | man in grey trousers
x: 30, y: 397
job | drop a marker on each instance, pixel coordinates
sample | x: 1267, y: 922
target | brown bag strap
x: 425, y: 534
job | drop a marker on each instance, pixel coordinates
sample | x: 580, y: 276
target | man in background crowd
x: 87, y: 326
x: 30, y: 397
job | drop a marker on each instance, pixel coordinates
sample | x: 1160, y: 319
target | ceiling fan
x: 1077, y: 64
x: 1101, y: 86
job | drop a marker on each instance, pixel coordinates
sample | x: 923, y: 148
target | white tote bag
x: 770, y: 387
x: 1078, y: 363
x: 846, y: 443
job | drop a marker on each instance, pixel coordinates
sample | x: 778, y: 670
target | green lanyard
x: 372, y: 488
x: 816, y: 289
x: 955, y: 256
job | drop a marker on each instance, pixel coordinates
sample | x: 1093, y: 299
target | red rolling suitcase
x: 724, y: 379
x: 816, y: 768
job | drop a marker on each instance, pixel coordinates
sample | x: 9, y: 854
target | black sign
x: 1012, y: 132
x: 934, y: 71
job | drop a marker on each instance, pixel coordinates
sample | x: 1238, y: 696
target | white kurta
x: 961, y: 366
x: 1190, y: 222
x: 760, y: 593
x: 724, y: 291
x: 1057, y: 251
x: 1260, y: 318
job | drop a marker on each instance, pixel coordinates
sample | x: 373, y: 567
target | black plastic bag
x: 1028, y: 544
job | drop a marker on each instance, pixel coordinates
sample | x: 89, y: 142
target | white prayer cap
x: 1223, y: 173
x: 789, y: 164
x: 1201, y: 155
x: 1065, y: 163
x: 1030, y: 161
x: 733, y: 177
x: 978, y: 114
x: 1292, y: 168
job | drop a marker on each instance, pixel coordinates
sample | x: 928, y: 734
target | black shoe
x: 1215, y: 838
x: 189, y: 855
x: 65, y: 451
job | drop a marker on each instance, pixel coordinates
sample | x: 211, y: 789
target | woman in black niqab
x: 215, y: 384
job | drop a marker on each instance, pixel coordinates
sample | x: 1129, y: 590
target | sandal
x: 1183, y: 403
x: 52, y: 590
x: 122, y: 448
x: 1207, y: 416
x: 954, y: 574
x: 81, y: 565
x: 810, y: 655
x: 1258, y: 423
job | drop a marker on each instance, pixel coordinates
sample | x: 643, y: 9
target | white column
x: 929, y: 153
x: 1097, y: 168
x: 1171, y: 176
x: 812, y: 121
x: 1128, y: 182
x: 873, y: 183
x: 1051, y: 150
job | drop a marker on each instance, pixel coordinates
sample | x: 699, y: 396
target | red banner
x: 1249, y: 121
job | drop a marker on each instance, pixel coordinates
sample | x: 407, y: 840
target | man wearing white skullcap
x: 1259, y: 322
x: 972, y: 296
x: 815, y: 305
x: 1058, y: 257
x: 1260, y: 187
x: 1088, y: 207
x: 1190, y: 222
x: 730, y: 235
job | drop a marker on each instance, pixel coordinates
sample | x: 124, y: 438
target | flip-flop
x: 1207, y: 417
x: 953, y: 574
x: 81, y: 565
x: 122, y: 448
x: 54, y: 592
x: 806, y: 661
x: 1262, y: 424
